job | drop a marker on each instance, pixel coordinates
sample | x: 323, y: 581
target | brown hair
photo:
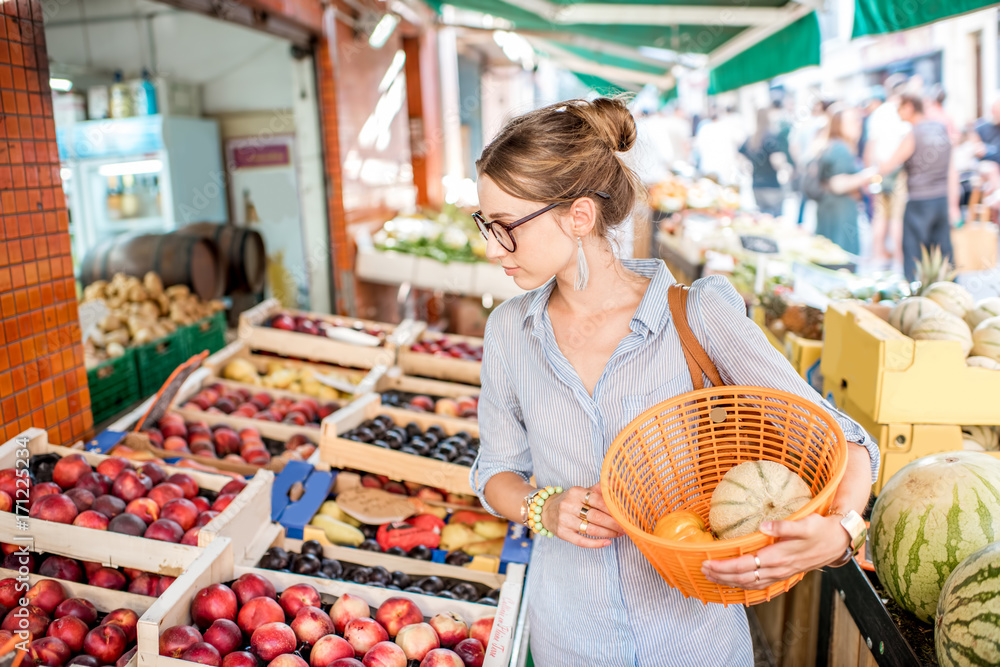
x: 914, y: 101
x: 562, y: 152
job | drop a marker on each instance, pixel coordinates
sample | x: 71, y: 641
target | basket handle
x: 697, y: 359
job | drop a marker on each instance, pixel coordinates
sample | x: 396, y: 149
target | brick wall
x: 43, y: 382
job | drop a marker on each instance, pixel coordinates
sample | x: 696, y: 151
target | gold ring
x: 583, y: 512
x: 756, y: 561
x: 586, y: 498
x: 583, y: 527
x: 756, y: 576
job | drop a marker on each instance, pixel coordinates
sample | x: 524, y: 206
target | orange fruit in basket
x: 682, y: 525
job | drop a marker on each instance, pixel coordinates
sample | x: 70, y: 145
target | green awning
x: 787, y: 50
x: 600, y: 86
x: 875, y: 17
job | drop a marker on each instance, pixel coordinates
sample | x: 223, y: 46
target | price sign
x: 759, y: 244
x: 375, y: 506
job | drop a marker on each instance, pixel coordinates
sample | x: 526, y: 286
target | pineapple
x: 933, y: 267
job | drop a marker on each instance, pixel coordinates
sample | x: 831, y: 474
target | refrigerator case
x: 149, y: 174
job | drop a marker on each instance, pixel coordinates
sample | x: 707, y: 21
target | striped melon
x: 752, y: 493
x: 986, y: 339
x: 907, y: 312
x: 967, y: 626
x: 983, y: 362
x: 943, y: 326
x: 951, y: 296
x: 930, y: 515
x: 984, y: 310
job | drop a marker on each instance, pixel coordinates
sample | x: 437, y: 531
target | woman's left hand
x: 803, y: 545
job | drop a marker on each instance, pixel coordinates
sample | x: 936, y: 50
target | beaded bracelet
x: 536, y: 502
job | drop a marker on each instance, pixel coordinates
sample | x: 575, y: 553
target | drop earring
x: 582, y: 272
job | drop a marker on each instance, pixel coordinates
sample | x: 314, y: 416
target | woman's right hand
x: 561, y: 515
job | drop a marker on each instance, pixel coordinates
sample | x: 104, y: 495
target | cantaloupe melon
x: 929, y: 516
x: 951, y: 296
x: 943, y: 326
x: 983, y: 362
x: 907, y: 312
x: 983, y: 310
x: 986, y: 339
x: 985, y: 436
x: 752, y: 493
x: 968, y: 612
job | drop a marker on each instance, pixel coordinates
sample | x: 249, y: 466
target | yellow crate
x: 873, y: 370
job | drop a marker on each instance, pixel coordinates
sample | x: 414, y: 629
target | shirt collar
x: 652, y: 312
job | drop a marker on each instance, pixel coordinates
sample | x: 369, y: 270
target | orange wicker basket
x: 672, y: 456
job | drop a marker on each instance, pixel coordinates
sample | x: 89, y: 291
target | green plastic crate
x: 114, y: 386
x: 206, y: 334
x: 157, y: 360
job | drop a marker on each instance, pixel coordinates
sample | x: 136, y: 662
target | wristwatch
x: 858, y: 532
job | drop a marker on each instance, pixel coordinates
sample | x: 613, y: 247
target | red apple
x: 60, y: 567
x: 91, y: 519
x: 288, y: 660
x: 397, y: 612
x: 347, y: 608
x: 46, y: 594
x: 19, y: 560
x: 182, y: 511
x: 329, y: 649
x: 222, y: 502
x: 347, y: 662
x: 191, y: 537
x: 450, y: 628
x: 297, y: 596
x: 154, y: 472
x: 30, y: 618
x: 69, y: 629
x: 128, y: 524
x: 271, y: 640
x: 163, y: 585
x: 108, y: 505
x: 44, y: 489
x: 164, y: 530
x: 57, y: 507
x: 77, y: 608
x: 201, y: 502
x: 164, y: 492
x: 175, y: 640
x: 441, y: 657
x: 69, y: 469
x: 155, y: 438
x: 6, y: 502
x: 205, y: 518
x: 283, y: 321
x: 10, y: 592
x: 212, y: 603
x: 364, y: 633
x: 49, y: 651
x: 257, y: 612
x: 202, y: 653
x: 417, y: 640
x: 385, y: 654
x: 109, y: 578
x: 175, y: 443
x: 144, y: 584
x: 471, y: 651
x: 224, y: 635
x: 251, y: 586
x: 113, y: 466
x: 186, y: 482
x: 240, y: 659
x: 234, y: 486
x: 85, y: 660
x: 126, y: 619
x: 94, y: 482
x: 481, y: 630
x: 130, y: 485
x: 106, y: 643
x: 127, y: 657
x: 145, y: 509
x: 82, y: 498
x: 311, y: 623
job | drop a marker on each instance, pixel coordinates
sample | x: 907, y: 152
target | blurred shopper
x: 805, y: 140
x: 934, y: 110
x: 885, y: 132
x: 841, y: 178
x: 655, y: 150
x: 678, y: 127
x: 989, y: 132
x: 767, y: 153
x: 718, y: 143
x: 932, y: 183
x: 965, y: 156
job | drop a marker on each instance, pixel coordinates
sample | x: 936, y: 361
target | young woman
x: 569, y: 364
x: 837, y: 210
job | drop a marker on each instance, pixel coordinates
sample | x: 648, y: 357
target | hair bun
x: 611, y: 120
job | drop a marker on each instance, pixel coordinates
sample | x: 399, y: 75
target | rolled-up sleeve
x: 744, y: 356
x: 503, y: 440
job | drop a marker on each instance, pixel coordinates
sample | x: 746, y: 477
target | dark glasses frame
x: 485, y: 226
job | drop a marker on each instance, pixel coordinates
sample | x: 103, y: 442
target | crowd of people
x: 897, y: 161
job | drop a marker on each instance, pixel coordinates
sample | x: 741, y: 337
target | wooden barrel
x: 178, y: 259
x: 241, y: 252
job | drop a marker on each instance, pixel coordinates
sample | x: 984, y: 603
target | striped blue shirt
x: 608, y: 607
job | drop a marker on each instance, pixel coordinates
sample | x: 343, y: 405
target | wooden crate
x: 257, y: 336
x: 244, y: 517
x: 873, y: 370
x: 394, y: 380
x: 216, y: 564
x: 342, y: 453
x: 440, y: 367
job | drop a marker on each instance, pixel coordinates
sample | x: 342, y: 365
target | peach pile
x: 65, y: 630
x: 239, y: 402
x: 466, y: 407
x: 247, y: 624
x: 79, y: 571
x: 450, y: 347
x: 115, y: 496
x: 222, y: 441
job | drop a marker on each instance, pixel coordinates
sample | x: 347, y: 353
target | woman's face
x: 543, y: 248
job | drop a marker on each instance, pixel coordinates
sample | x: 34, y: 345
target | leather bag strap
x: 697, y: 359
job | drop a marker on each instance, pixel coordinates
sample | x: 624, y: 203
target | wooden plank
x: 419, y: 385
x: 441, y: 367
x: 246, y: 514
x: 801, y: 633
x: 501, y: 646
x: 845, y: 639
x: 771, y: 616
x: 103, y: 598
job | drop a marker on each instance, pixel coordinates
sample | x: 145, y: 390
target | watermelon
x: 931, y: 515
x: 986, y: 339
x: 943, y: 326
x: 907, y: 312
x: 754, y: 492
x: 967, y: 627
x: 951, y: 296
x: 984, y: 310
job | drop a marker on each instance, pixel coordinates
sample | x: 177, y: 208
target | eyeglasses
x: 503, y: 233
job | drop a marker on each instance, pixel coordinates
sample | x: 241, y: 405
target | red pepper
x: 406, y: 536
